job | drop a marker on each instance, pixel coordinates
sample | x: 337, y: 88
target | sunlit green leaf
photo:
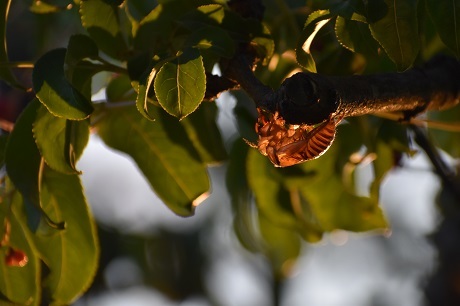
x: 180, y: 85
x: 143, y: 100
x: 20, y: 285
x: 60, y: 141
x: 100, y: 19
x: 5, y: 72
x: 397, y: 31
x: 72, y: 254
x: 446, y: 17
x: 202, y: 130
x: 314, y: 23
x: 54, y: 91
x: 356, y: 36
x: 163, y: 153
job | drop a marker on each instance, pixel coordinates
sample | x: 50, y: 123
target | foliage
x: 158, y: 55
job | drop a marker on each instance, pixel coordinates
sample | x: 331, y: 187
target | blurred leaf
x: 448, y: 141
x: 5, y: 72
x: 54, y: 91
x: 163, y: 153
x: 60, y: 141
x: 381, y: 165
x: 3, y: 140
x: 281, y: 246
x: 105, y: 31
x: 241, y: 197
x: 314, y: 23
x: 20, y: 285
x: 356, y: 36
x: 446, y: 17
x: 71, y: 255
x: 279, y: 200
x: 41, y: 7
x: 180, y: 84
x: 397, y: 31
x: 202, y: 130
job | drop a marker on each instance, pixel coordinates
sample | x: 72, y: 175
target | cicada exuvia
x: 287, y: 145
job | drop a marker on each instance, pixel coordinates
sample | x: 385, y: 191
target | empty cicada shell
x: 287, y: 145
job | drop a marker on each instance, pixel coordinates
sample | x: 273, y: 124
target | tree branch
x: 311, y: 98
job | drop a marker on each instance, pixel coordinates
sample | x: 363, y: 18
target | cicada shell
x: 289, y: 145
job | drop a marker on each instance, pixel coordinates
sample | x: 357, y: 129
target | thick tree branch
x: 311, y: 98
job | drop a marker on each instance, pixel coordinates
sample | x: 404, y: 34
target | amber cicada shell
x: 287, y: 145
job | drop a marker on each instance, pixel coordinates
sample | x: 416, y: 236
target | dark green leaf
x: 397, y: 32
x: 356, y: 36
x: 347, y: 9
x: 5, y: 72
x: 71, y: 255
x: 180, y: 85
x: 163, y: 153
x: 22, y: 160
x: 20, y: 285
x: 446, y: 17
x: 54, y: 91
x: 80, y: 47
x: 101, y: 21
x: 143, y: 100
x: 202, y: 130
x: 60, y: 141
x: 212, y: 39
x: 314, y: 23
x: 119, y: 89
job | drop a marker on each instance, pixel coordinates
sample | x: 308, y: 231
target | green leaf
x: 23, y: 166
x: 397, y: 31
x: 162, y: 152
x: 212, y: 39
x: 54, y: 91
x: 73, y: 254
x: 105, y: 31
x: 20, y: 285
x: 5, y: 72
x: 119, y: 89
x: 80, y: 47
x: 356, y: 37
x: 446, y: 17
x: 22, y: 160
x: 180, y: 85
x: 143, y: 100
x: 60, y: 141
x: 202, y: 130
x: 314, y: 23
x: 281, y: 246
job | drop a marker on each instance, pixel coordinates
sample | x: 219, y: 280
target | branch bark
x: 311, y: 98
